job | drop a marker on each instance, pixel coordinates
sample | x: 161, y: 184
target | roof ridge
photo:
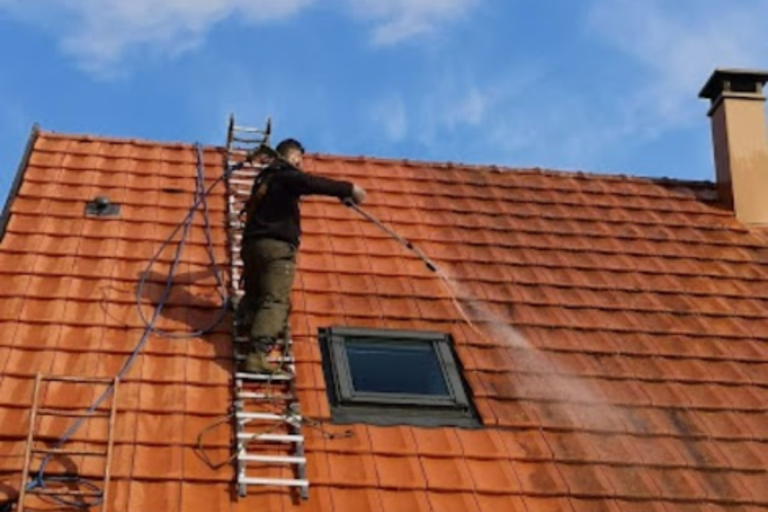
x: 124, y: 140
x: 561, y: 173
x: 558, y: 173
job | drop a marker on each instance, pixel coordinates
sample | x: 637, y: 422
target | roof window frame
x: 349, y: 405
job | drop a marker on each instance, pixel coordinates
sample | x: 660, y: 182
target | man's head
x: 292, y: 151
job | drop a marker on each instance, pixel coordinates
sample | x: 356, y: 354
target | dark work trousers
x: 269, y: 269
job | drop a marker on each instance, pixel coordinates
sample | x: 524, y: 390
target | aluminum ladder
x: 64, y: 487
x: 267, y: 415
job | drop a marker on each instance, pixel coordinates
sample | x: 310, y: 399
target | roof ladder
x: 268, y: 441
x: 39, y: 447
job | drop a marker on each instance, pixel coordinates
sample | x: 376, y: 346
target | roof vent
x: 101, y: 206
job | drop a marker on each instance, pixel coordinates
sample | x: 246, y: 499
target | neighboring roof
x: 647, y: 302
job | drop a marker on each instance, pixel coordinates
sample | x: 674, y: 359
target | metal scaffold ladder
x: 268, y: 440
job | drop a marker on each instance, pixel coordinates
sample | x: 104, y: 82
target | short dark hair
x: 287, y: 145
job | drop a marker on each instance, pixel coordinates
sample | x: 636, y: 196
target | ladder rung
x: 65, y: 492
x: 247, y: 129
x: 248, y: 140
x: 72, y: 414
x: 267, y: 416
x: 77, y: 380
x: 276, y: 459
x: 273, y: 481
x: 246, y: 172
x: 263, y: 376
x: 235, y: 175
x: 277, y: 438
x: 250, y: 395
x: 237, y: 181
x: 65, y: 451
x: 241, y: 149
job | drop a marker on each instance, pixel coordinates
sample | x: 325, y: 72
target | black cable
x: 201, y: 195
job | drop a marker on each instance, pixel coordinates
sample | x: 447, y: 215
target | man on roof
x: 271, y: 239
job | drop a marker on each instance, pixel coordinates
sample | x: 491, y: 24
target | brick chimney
x: 740, y: 143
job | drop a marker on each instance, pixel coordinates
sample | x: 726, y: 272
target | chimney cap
x: 722, y: 78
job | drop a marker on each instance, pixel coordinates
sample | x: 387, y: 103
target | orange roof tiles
x: 647, y: 304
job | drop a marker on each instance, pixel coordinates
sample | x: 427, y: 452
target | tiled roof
x: 646, y: 302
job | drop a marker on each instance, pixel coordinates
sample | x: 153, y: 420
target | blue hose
x: 201, y: 195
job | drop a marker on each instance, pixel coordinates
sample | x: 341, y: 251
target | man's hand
x: 358, y: 194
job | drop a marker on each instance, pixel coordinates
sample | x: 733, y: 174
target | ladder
x: 267, y: 417
x: 67, y: 487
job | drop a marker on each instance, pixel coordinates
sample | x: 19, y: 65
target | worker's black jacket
x: 277, y: 214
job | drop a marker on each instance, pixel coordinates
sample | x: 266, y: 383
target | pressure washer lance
x: 428, y: 262
x: 406, y: 243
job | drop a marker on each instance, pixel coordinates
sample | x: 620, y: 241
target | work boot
x: 256, y: 362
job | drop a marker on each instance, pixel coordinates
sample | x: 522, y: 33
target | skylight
x: 394, y: 377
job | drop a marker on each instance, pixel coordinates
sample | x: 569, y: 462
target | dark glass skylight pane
x: 411, y: 368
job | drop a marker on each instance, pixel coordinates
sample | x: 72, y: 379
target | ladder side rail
x: 110, y: 445
x: 30, y: 440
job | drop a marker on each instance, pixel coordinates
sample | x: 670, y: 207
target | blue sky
x: 597, y: 85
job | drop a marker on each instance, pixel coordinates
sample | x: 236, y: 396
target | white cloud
x: 397, y: 20
x: 667, y: 50
x: 477, y: 112
x: 677, y: 45
x: 433, y: 115
x: 99, y: 33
